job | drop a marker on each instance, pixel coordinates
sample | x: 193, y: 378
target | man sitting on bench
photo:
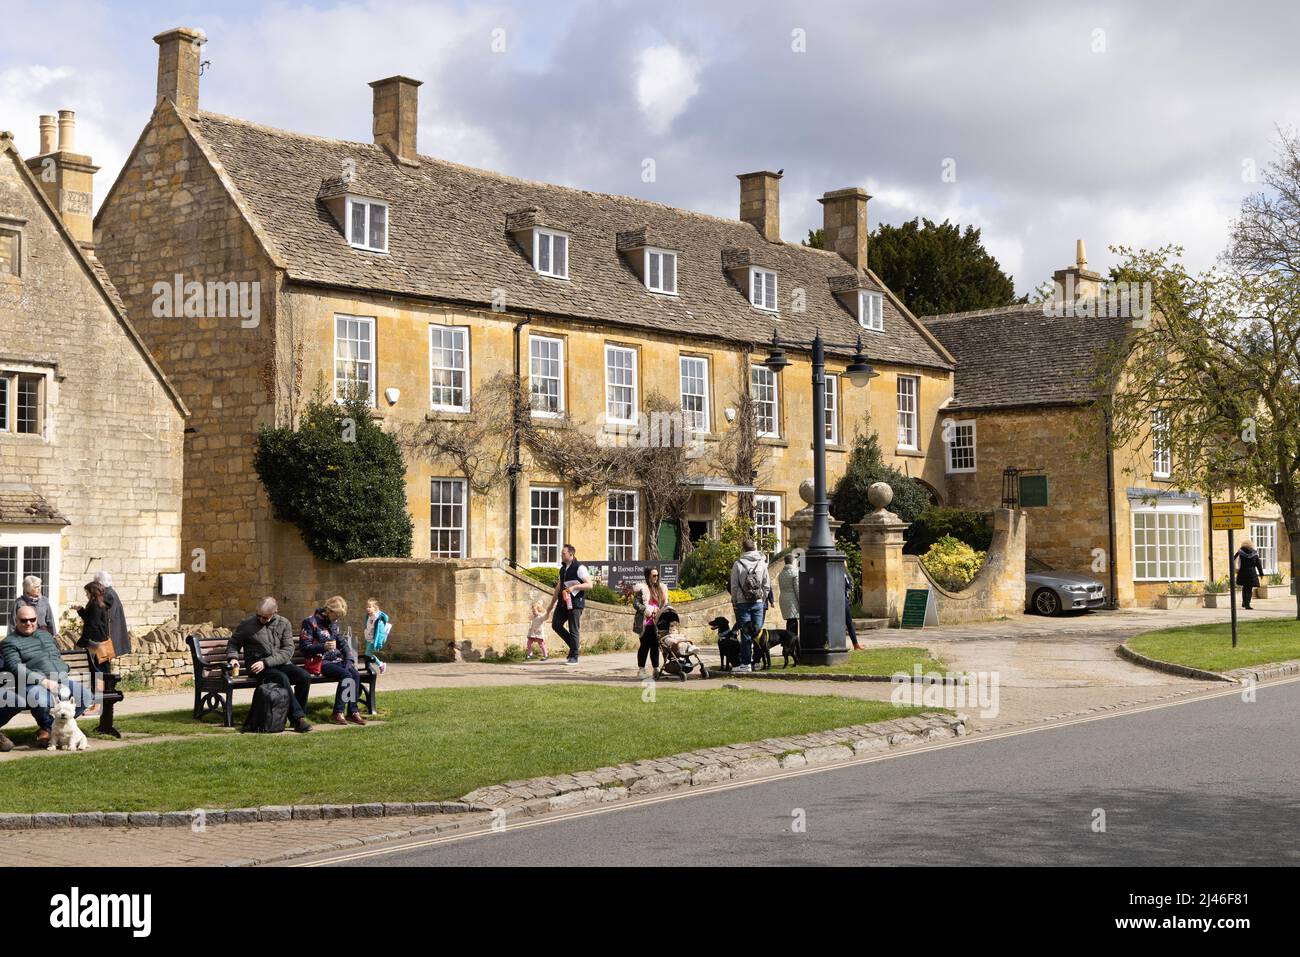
x: 33, y: 657
x: 266, y: 640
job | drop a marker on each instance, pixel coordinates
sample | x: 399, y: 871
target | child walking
x: 377, y: 629
x: 535, y: 626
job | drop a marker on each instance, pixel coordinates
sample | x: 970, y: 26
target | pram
x: 680, y: 655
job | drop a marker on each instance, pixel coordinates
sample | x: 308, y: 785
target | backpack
x: 270, y: 710
x: 751, y: 586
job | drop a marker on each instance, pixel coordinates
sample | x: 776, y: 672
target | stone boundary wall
x: 159, y: 657
x: 998, y: 589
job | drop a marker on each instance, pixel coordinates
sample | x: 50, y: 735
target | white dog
x: 65, y: 735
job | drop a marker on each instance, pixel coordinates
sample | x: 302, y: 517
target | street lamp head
x: 776, y: 359
x: 859, y: 370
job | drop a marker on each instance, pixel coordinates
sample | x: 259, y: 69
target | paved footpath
x: 1047, y: 668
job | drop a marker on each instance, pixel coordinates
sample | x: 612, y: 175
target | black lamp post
x: 822, y: 610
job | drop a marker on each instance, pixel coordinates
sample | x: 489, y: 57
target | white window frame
x: 533, y: 547
x: 1161, y: 455
x: 6, y: 401
x: 954, y: 446
x: 369, y: 204
x: 763, y: 371
x: 559, y: 341
x: 1267, y: 553
x: 871, y: 310
x: 367, y: 322
x: 634, y: 528
x: 1174, y: 536
x: 758, y: 297
x: 697, y: 420
x: 775, y: 502
x: 909, y: 419
x: 455, y: 331
x: 664, y: 255
x: 610, y: 386
x: 462, y: 529
x: 49, y: 583
x: 831, y: 412
x: 550, y: 235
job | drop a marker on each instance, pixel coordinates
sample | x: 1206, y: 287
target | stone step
x: 869, y: 623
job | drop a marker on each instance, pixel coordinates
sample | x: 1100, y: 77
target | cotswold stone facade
x: 367, y: 254
x: 91, y: 433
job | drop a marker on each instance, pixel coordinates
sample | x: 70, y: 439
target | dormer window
x: 762, y: 289
x: 551, y: 253
x: 871, y: 311
x: 661, y: 271
x: 367, y: 221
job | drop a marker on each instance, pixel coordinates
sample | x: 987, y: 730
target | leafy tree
x: 938, y: 268
x: 866, y: 465
x: 340, y: 479
x: 952, y: 563
x: 969, y: 525
x: 816, y: 239
x: 1217, y: 370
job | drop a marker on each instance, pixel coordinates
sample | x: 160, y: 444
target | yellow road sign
x: 1228, y: 516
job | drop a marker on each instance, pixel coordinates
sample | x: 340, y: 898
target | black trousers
x: 290, y: 676
x: 1247, y: 592
x: 649, y: 646
x: 570, y: 635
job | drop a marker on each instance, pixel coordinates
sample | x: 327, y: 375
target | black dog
x: 729, y: 645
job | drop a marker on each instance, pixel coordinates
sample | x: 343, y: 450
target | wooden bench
x: 215, y: 687
x: 103, y: 685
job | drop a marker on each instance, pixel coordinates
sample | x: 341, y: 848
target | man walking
x: 750, y: 585
x: 266, y: 639
x: 569, y: 599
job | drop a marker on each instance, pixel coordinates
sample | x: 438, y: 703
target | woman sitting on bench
x: 325, y: 653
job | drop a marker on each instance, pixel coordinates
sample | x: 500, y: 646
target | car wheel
x: 1046, y: 602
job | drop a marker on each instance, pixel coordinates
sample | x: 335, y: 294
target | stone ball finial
x: 880, y: 494
x: 806, y: 491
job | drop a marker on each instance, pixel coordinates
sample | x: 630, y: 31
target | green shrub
x: 952, y: 563
x: 510, y: 653
x: 607, y: 643
x: 848, y: 544
x: 699, y: 592
x: 1217, y: 587
x: 710, y: 561
x: 603, y: 593
x: 340, y: 479
x: 549, y: 576
x: 968, y: 525
x: 545, y: 574
x: 1274, y: 579
x: 866, y: 466
x: 1182, y: 588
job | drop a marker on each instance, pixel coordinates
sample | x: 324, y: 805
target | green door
x: 667, y: 540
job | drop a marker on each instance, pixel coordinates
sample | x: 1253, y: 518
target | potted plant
x: 1179, y: 595
x: 1216, y: 593
x: 1270, y: 581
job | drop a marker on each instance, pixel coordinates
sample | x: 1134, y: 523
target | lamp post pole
x: 821, y: 582
x: 822, y: 610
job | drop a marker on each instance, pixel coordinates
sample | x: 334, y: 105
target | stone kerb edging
x: 784, y: 675
x: 1265, y: 672
x: 538, y: 795
x: 1168, y: 667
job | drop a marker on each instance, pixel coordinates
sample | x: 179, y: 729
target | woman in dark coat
x: 1249, y: 571
x: 96, y: 624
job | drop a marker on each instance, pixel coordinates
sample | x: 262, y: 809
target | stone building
x: 1025, y: 381
x: 91, y: 432
x: 373, y: 266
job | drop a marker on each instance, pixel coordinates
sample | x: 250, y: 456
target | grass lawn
x: 435, y: 745
x: 870, y: 661
x: 1210, y: 646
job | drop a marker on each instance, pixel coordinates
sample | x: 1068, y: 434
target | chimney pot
x: 47, y: 134
x: 67, y: 131
x: 1076, y: 282
x: 179, y: 57
x: 760, y: 203
x: 396, y: 117
x: 844, y: 225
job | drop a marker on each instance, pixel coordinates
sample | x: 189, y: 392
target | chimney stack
x: 67, y: 178
x: 47, y: 134
x: 1078, y: 281
x: 844, y: 225
x: 179, y: 60
x: 760, y: 203
x: 396, y: 116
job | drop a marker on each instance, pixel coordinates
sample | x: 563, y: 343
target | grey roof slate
x: 448, y: 240
x: 22, y: 505
x: 1020, y: 356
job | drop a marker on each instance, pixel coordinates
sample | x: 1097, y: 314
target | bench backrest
x: 78, y: 662
x: 208, y: 654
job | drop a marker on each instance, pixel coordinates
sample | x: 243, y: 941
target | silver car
x: 1050, y: 592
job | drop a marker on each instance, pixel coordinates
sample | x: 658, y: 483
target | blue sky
x: 1111, y: 122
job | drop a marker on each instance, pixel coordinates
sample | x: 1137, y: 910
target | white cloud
x: 666, y: 80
